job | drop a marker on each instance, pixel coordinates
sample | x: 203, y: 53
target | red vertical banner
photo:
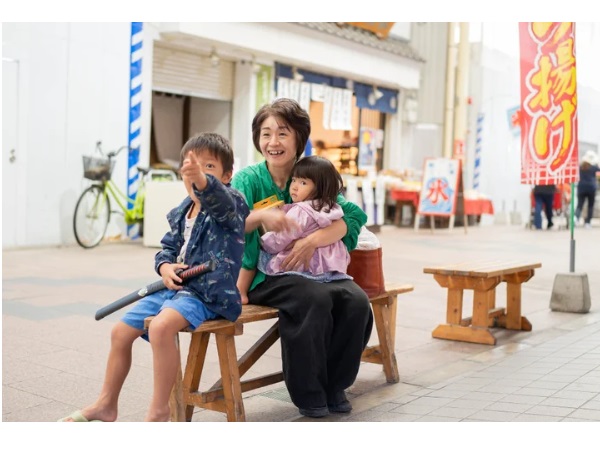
x: 548, y: 103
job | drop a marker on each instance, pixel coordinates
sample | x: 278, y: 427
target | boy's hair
x: 217, y: 145
x: 291, y: 114
x: 322, y: 172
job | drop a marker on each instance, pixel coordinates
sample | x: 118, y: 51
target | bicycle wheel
x: 92, y: 214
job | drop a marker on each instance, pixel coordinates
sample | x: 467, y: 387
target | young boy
x: 208, y: 224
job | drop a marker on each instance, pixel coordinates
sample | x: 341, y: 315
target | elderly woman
x: 324, y: 326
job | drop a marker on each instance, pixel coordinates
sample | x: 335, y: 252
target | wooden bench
x: 482, y: 277
x: 226, y: 394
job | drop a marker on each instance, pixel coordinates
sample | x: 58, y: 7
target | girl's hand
x: 275, y: 220
x: 169, y: 275
x: 300, y: 255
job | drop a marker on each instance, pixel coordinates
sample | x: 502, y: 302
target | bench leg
x: 230, y: 377
x: 176, y: 399
x: 454, y: 307
x: 465, y: 334
x: 481, y: 302
x: 383, y: 323
x: 474, y: 329
x: 514, y: 320
x: 393, y: 307
x: 193, y: 372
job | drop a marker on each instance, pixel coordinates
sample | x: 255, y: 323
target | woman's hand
x: 169, y: 275
x: 300, y: 255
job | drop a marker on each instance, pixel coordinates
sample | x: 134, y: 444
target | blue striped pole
x: 477, y: 158
x: 135, y: 110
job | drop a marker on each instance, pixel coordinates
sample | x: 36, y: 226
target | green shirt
x: 256, y: 184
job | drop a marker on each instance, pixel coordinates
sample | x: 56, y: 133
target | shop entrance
x: 190, y: 93
x: 357, y: 151
x: 175, y: 118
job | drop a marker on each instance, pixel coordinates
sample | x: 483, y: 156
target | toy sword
x: 195, y: 271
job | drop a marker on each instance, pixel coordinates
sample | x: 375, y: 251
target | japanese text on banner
x: 548, y: 103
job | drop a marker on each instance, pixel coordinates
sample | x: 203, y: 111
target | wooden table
x: 482, y: 277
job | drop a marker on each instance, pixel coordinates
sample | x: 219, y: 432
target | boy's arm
x: 170, y: 247
x: 244, y: 281
x: 224, y: 204
x: 221, y: 202
x: 276, y: 241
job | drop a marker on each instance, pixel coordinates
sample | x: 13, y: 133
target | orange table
x: 472, y: 207
x: 479, y: 206
x: 404, y: 197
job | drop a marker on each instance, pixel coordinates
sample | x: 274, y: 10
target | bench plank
x: 482, y: 269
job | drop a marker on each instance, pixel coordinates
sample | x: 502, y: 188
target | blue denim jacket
x: 218, y: 234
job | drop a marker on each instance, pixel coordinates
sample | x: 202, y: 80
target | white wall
x: 73, y: 88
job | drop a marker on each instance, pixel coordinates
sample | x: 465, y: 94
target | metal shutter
x: 183, y: 72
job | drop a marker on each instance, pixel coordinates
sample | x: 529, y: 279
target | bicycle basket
x: 97, y: 169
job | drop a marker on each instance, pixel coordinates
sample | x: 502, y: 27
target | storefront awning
x: 367, y: 95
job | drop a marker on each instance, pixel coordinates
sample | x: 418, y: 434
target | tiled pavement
x: 53, y: 352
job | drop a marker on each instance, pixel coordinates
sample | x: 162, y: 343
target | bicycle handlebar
x: 112, y: 154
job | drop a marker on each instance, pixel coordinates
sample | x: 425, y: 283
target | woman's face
x: 277, y: 143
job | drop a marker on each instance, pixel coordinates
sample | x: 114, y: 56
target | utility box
x: 161, y: 197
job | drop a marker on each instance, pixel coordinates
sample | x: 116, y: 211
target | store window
x: 354, y: 151
x: 347, y: 118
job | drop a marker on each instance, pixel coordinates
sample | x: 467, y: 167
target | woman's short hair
x: 322, y: 172
x: 216, y: 144
x: 291, y: 113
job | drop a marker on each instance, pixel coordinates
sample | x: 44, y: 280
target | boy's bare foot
x: 158, y: 417
x: 90, y: 414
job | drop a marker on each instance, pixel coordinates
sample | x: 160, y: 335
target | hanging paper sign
x: 294, y: 90
x: 304, y: 96
x: 346, y: 110
x: 327, y: 105
x: 317, y: 92
x: 283, y: 87
x: 335, y: 122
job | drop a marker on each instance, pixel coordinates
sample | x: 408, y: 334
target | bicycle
x: 93, y: 208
